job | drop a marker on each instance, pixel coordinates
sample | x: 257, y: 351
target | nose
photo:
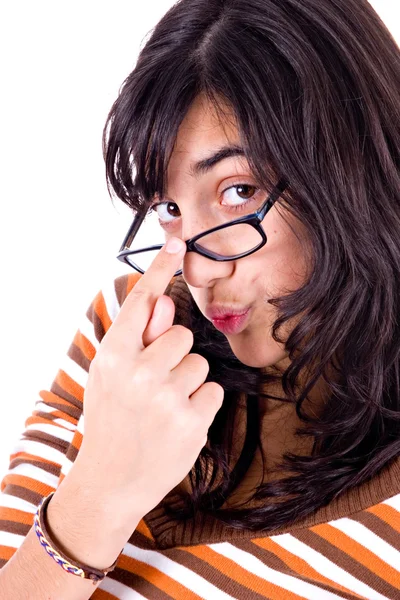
x: 200, y: 271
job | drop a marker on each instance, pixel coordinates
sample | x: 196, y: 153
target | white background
x: 61, y: 68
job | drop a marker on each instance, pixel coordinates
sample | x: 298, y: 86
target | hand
x: 147, y: 409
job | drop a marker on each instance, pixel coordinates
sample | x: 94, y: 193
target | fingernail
x: 174, y: 245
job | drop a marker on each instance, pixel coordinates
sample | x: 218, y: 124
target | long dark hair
x: 315, y: 88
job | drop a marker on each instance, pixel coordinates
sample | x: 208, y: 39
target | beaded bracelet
x: 69, y: 565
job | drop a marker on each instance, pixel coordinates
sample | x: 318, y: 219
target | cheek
x: 285, y: 263
x: 282, y: 270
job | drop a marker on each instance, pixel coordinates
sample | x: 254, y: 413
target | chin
x: 258, y: 357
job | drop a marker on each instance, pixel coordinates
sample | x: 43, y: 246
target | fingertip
x: 175, y: 245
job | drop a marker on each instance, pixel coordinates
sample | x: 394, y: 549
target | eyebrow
x: 205, y: 165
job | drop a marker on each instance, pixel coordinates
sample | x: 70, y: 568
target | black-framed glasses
x: 230, y: 241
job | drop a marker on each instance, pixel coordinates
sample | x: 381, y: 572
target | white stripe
x: 111, y: 300
x: 120, y: 590
x: 39, y: 450
x: 325, y: 567
x: 253, y: 565
x: 371, y: 541
x: 394, y: 502
x: 10, y: 501
x: 40, y: 406
x: 74, y: 371
x: 65, y: 467
x: 43, y: 407
x: 35, y: 473
x: 87, y: 329
x: 80, y: 425
x: 66, y: 424
x: 177, y: 572
x: 59, y: 432
x: 13, y: 540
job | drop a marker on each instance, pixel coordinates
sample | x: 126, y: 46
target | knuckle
x: 103, y: 360
x: 199, y: 362
x: 217, y: 391
x: 144, y: 373
x: 184, y: 334
x: 169, y: 394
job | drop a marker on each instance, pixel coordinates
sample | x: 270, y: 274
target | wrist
x: 128, y: 502
x: 85, y: 525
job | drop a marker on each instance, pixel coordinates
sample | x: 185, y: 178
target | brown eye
x: 166, y: 211
x: 239, y: 196
x: 246, y: 187
x: 171, y: 210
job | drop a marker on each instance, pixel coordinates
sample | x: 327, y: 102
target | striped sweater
x: 348, y: 549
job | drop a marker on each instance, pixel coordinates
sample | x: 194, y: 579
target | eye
x: 168, y: 212
x: 241, y: 189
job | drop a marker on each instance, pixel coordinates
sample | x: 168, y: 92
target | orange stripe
x: 16, y: 515
x: 69, y: 385
x: 6, y: 552
x: 100, y: 594
x: 77, y: 440
x: 65, y: 417
x: 238, y: 573
x: 157, y: 578
x: 133, y: 278
x: 26, y: 456
x: 28, y: 483
x: 299, y: 565
x: 359, y: 552
x: 144, y: 530
x: 52, y: 398
x: 9, y: 478
x: 100, y: 309
x: 34, y: 420
x: 84, y: 345
x: 388, y: 514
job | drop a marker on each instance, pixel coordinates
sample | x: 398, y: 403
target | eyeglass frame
x: 254, y: 219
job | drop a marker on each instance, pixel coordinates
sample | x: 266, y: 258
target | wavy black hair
x: 314, y: 86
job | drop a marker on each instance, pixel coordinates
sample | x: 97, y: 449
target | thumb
x: 161, y: 319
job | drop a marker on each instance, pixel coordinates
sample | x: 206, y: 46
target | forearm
x: 86, y: 527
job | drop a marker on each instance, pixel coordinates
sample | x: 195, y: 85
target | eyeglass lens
x: 227, y: 242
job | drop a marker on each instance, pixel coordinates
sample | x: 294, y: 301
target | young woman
x: 229, y: 414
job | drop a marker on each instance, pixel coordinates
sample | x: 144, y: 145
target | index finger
x: 138, y: 306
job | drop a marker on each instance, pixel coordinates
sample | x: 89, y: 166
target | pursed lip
x: 218, y: 311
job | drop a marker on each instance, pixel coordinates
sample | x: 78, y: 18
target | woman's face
x: 275, y: 269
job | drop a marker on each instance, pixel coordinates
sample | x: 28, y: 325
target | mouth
x: 231, y: 323
x: 221, y: 312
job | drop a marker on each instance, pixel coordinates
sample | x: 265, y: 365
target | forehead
x: 204, y: 131
x: 206, y: 127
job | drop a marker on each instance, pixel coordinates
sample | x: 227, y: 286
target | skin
x: 274, y: 270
